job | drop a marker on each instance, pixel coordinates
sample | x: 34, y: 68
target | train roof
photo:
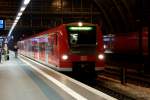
x: 54, y: 28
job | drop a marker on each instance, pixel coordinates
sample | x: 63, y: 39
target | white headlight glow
x: 101, y: 56
x: 64, y: 57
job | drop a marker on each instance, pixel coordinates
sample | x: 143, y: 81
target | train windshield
x: 82, y: 35
x: 82, y: 39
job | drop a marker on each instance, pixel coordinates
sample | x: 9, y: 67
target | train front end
x: 84, y: 51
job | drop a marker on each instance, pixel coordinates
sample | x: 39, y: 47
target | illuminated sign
x: 2, y: 24
x: 84, y: 28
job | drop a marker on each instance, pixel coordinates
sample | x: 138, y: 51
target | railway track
x: 101, y: 86
x: 114, y: 88
x: 132, y: 76
x: 114, y: 73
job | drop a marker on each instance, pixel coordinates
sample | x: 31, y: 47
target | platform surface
x: 22, y: 79
x: 17, y: 82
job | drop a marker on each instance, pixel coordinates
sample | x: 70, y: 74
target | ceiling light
x: 20, y: 13
x: 17, y: 18
x: 15, y: 21
x: 26, y: 2
x: 22, y: 9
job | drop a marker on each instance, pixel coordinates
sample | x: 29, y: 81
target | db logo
x: 83, y: 58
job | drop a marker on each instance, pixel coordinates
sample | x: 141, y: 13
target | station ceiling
x: 115, y: 16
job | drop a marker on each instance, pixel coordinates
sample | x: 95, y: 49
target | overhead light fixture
x: 16, y: 21
x: 22, y: 8
x: 14, y: 24
x: 20, y: 13
x: 26, y: 2
x: 17, y: 18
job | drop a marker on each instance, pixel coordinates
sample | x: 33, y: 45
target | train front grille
x: 84, y: 67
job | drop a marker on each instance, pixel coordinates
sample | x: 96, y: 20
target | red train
x: 127, y: 46
x: 69, y: 47
x: 127, y: 43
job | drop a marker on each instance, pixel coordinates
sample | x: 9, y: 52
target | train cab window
x: 82, y: 39
x: 82, y: 36
x: 73, y: 38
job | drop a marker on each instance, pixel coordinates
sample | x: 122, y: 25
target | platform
x: 23, y: 79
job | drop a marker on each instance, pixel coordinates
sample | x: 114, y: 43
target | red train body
x: 67, y: 47
x: 127, y: 43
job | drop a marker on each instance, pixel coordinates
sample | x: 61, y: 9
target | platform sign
x: 2, y: 24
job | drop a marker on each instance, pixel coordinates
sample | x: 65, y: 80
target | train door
x: 31, y: 52
x: 46, y: 49
x: 22, y: 48
x: 35, y: 48
x: 25, y: 47
x: 52, y: 54
x: 29, y: 48
x: 42, y: 48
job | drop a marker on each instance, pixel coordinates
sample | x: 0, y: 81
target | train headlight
x: 64, y: 57
x: 101, y: 56
x: 80, y: 24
